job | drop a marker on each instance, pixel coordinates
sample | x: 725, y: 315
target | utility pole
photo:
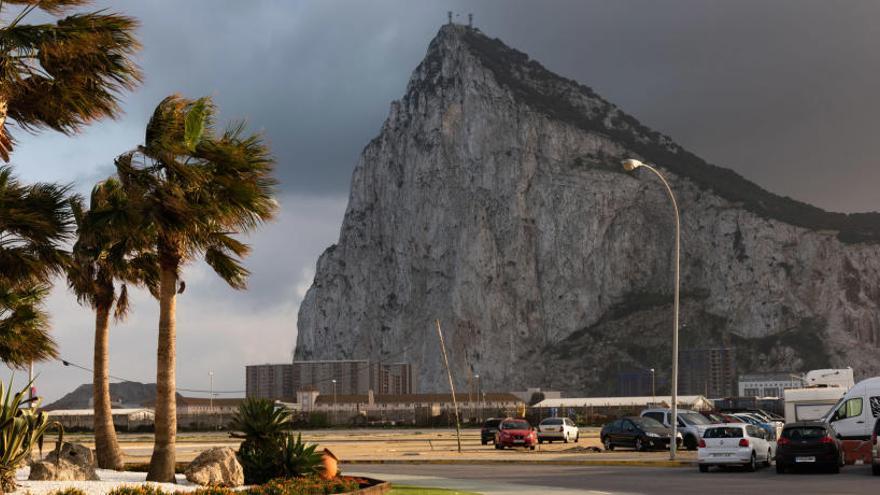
x: 451, y: 386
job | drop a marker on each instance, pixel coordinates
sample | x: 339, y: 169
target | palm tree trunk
x: 163, y: 460
x: 106, y: 445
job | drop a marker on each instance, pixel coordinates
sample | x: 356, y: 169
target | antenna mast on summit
x: 449, y: 14
x: 470, y: 20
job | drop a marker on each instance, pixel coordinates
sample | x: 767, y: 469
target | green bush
x: 269, y: 450
x: 309, y: 485
x: 21, y: 429
x: 299, y: 459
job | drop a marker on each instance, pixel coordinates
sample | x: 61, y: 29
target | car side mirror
x: 839, y: 436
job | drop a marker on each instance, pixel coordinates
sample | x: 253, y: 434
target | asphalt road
x: 534, y: 478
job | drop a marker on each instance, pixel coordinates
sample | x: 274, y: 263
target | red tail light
x: 783, y: 441
x: 702, y: 444
x: 874, y: 438
x: 744, y: 442
x: 827, y: 439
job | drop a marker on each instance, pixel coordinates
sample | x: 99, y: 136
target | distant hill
x: 124, y: 394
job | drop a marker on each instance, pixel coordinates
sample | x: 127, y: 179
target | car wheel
x: 577, y: 437
x: 498, y: 446
x: 690, y: 442
x: 484, y: 442
x: 835, y: 469
x: 780, y: 468
x: 531, y: 447
x: 639, y: 445
x: 540, y: 440
x: 564, y: 438
x: 607, y: 443
x: 704, y: 468
x: 769, y: 458
x: 752, y: 466
x: 875, y: 469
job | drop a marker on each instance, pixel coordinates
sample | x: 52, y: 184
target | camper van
x: 810, y: 404
x: 854, y: 414
x: 829, y: 378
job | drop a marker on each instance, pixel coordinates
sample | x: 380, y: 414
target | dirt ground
x: 371, y: 445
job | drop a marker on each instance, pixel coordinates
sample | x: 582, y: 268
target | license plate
x: 722, y: 455
x: 805, y: 459
x: 519, y: 441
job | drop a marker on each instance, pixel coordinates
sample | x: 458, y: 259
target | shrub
x: 299, y: 459
x: 137, y: 490
x: 269, y: 450
x: 20, y: 430
x: 309, y: 485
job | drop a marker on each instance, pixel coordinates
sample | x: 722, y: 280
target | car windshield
x: 552, y: 421
x: 804, y: 433
x: 748, y: 419
x: 492, y: 423
x: 645, y: 422
x: 694, y: 418
x: 515, y: 425
x: 723, y: 432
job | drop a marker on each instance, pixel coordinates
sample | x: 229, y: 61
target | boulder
x: 61, y: 471
x: 74, y: 453
x: 216, y: 467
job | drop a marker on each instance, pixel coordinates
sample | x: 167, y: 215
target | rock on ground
x: 62, y: 470
x: 216, y: 467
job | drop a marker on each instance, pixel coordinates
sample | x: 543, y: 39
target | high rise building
x: 708, y: 371
x: 392, y: 379
x: 269, y: 381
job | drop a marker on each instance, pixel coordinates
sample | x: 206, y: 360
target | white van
x: 854, y: 415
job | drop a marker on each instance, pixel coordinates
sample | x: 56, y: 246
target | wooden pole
x: 451, y: 386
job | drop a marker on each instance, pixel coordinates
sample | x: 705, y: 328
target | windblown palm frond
x: 35, y: 220
x: 66, y: 74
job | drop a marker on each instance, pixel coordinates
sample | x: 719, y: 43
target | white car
x: 558, y: 429
x: 735, y: 444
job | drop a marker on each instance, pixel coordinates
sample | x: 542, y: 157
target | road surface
x: 564, y: 480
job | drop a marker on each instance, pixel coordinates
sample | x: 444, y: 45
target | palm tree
x: 35, y: 220
x: 195, y: 188
x: 62, y: 75
x: 104, y: 253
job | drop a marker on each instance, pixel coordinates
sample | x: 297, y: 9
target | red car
x: 515, y: 433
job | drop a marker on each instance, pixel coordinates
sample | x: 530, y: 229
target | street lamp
x: 477, y: 380
x: 334, y: 400
x: 211, y: 399
x: 629, y: 165
x: 653, y: 389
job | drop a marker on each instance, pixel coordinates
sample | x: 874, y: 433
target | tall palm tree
x: 62, y: 75
x: 35, y: 220
x: 105, y: 252
x: 196, y: 188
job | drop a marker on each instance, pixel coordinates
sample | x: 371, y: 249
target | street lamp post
x: 211, y: 399
x: 629, y: 165
x: 653, y: 389
x: 480, y: 403
x: 334, y: 400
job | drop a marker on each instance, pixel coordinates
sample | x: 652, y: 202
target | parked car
x: 772, y: 429
x: 875, y: 450
x: 691, y: 424
x: 487, y: 432
x: 735, y: 444
x: 515, y: 433
x: 809, y: 444
x: 640, y: 433
x: 557, y: 429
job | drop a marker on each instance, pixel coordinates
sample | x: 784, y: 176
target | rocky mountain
x: 493, y: 199
x: 123, y: 394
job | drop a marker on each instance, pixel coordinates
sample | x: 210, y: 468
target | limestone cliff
x: 493, y: 199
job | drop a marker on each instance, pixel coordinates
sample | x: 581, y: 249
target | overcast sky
x: 784, y: 92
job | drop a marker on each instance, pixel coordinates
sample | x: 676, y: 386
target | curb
x: 608, y: 462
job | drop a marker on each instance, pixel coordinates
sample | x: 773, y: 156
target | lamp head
x: 631, y: 164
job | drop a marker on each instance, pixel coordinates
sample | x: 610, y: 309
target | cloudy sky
x: 784, y: 92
